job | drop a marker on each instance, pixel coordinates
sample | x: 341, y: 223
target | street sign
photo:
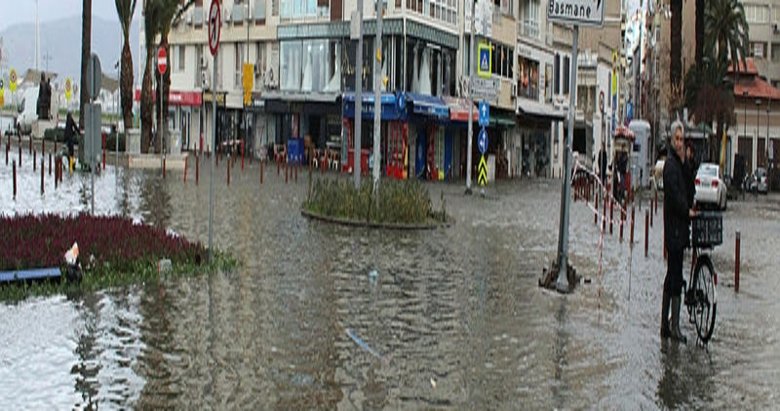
x: 2, y: 96
x: 482, y: 141
x: 162, y: 60
x: 482, y: 171
x: 483, y: 88
x: 484, y: 60
x: 12, y: 80
x: 94, y: 76
x: 248, y: 82
x: 484, y: 113
x: 579, y: 12
x: 215, y: 26
x: 68, y: 89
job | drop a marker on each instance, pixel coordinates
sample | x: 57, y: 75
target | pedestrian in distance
x: 677, y: 214
x: 71, y: 131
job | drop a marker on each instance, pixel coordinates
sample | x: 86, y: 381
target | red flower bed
x: 31, y: 241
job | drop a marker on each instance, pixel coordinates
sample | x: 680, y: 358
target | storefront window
x: 310, y: 66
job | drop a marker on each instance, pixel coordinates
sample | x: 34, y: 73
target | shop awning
x: 176, y: 97
x: 294, y: 96
x: 536, y: 109
x: 391, y: 110
x: 459, y: 109
x: 428, y: 105
x: 500, y: 118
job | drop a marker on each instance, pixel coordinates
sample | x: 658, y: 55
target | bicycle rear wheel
x: 705, y: 298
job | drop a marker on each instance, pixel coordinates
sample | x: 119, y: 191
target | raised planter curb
x: 374, y: 224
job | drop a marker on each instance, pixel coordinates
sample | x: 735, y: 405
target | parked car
x: 759, y: 181
x: 710, y: 187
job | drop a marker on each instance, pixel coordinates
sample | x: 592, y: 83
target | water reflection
x: 453, y: 318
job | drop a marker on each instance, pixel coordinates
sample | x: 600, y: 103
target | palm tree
x: 86, y: 46
x: 728, y: 29
x: 151, y: 24
x: 700, y: 6
x: 125, y: 10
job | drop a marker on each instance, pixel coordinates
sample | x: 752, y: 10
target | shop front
x: 534, y: 122
x: 184, y: 114
x: 456, y: 135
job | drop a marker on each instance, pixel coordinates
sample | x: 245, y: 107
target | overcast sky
x: 23, y: 11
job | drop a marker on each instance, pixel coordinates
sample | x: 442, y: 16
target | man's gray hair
x: 677, y: 124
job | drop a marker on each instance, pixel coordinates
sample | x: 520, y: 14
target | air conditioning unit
x: 514, y: 90
x: 204, y: 62
x: 204, y: 80
x: 776, y: 28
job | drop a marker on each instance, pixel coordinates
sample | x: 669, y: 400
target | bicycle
x: 701, y: 295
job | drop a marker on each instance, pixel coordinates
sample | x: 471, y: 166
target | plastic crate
x: 707, y: 229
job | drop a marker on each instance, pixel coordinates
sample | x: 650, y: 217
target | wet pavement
x: 322, y: 316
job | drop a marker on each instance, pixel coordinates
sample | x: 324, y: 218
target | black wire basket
x: 707, y: 229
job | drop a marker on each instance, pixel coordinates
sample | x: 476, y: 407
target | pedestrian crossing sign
x: 484, y: 60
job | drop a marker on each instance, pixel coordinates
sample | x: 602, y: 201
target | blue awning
x: 390, y: 107
x: 426, y: 105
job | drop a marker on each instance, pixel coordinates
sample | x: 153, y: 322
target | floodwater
x: 328, y: 317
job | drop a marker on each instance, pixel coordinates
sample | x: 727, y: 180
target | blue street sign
x: 630, y: 111
x: 484, y: 113
x: 482, y: 141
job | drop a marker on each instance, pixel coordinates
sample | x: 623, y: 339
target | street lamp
x: 758, y: 120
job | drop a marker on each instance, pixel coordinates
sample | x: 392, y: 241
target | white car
x: 657, y: 178
x: 710, y: 188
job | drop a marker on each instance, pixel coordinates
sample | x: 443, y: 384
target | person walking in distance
x: 677, y: 214
x: 71, y: 131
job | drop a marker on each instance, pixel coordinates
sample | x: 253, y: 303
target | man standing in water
x: 677, y: 214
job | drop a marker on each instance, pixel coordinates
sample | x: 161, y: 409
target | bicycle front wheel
x: 705, y: 298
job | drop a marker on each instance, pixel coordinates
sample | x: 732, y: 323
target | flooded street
x: 320, y: 316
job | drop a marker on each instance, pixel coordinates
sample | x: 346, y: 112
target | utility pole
x: 378, y: 93
x: 471, y: 101
x: 358, y: 96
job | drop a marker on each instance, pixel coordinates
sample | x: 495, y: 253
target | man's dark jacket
x: 676, y: 204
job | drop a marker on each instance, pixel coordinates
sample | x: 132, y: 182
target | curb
x: 374, y: 224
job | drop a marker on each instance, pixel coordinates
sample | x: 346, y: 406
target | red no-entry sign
x: 162, y: 60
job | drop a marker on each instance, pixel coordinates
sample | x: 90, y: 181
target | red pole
x: 242, y: 155
x: 632, y: 225
x: 7, y: 147
x: 49, y: 163
x: 622, y: 220
x: 604, y: 215
x: 104, y: 158
x: 43, y: 146
x: 596, y: 207
x: 651, y: 215
x: 736, y: 263
x: 655, y: 205
x: 56, y: 173
x: 30, y: 150
x: 611, y: 214
x: 262, y: 163
x: 43, y: 171
x: 647, y: 229
x: 164, y: 167
x: 197, y: 168
x: 185, y: 170
x: 277, y: 166
x: 14, y: 173
x: 35, y: 159
x: 228, y: 173
x: 20, y: 156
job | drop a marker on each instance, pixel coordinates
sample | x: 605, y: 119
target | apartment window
x: 503, y: 58
x: 548, y: 83
x: 566, y: 67
x: 303, y: 9
x: 182, y: 57
x: 239, y: 56
x: 310, y: 65
x: 504, y: 5
x: 759, y: 49
x: 775, y: 52
x: 442, y: 10
x: 557, y: 75
x: 755, y: 13
x: 527, y: 78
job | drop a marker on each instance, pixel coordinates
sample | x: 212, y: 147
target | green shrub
x: 52, y: 133
x: 404, y: 202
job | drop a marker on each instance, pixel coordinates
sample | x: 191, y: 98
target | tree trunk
x: 126, y: 84
x: 675, y: 69
x: 86, y: 49
x: 699, y: 31
x: 147, y: 105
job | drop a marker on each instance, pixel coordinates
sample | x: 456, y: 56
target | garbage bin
x: 133, y: 143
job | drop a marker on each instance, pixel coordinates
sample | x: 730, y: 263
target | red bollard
x: 262, y: 165
x: 647, y: 229
x: 655, y: 205
x: 277, y: 167
x: 622, y: 221
x: 43, y: 146
x: 736, y: 263
x: 104, y: 158
x: 285, y: 173
x: 164, y: 167
x: 228, y: 173
x: 56, y: 173
x: 611, y: 214
x: 197, y: 168
x: 49, y: 163
x: 35, y: 159
x: 185, y: 169
x: 30, y: 150
x: 20, y: 156
x: 651, y: 216
x: 43, y: 171
x: 14, y: 173
x: 242, y: 155
x: 596, y: 207
x: 632, y: 225
x: 7, y: 147
x: 604, y: 216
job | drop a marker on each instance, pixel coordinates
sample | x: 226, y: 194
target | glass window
x: 528, y: 78
x: 290, y: 65
x: 776, y: 52
x: 303, y: 9
x: 182, y: 57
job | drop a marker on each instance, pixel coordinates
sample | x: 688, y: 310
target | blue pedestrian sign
x: 484, y: 60
x: 484, y: 113
x: 482, y: 141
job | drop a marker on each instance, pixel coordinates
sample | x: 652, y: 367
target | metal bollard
x: 35, y: 159
x: 596, y: 207
x: 43, y: 171
x: 622, y: 223
x: 611, y: 214
x: 242, y: 155
x: 50, y: 164
x: 261, y: 171
x: 651, y: 216
x: 56, y: 173
x: 228, y: 173
x: 185, y: 169
x: 286, y: 174
x: 647, y: 229
x: 14, y: 173
x: 632, y: 226
x: 736, y: 262
x: 164, y: 168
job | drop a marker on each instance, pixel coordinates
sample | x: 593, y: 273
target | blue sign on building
x: 484, y: 113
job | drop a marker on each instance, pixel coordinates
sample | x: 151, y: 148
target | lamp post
x: 744, y: 101
x: 758, y: 121
x: 766, y: 145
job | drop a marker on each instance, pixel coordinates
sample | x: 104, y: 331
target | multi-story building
x: 763, y: 17
x: 304, y: 80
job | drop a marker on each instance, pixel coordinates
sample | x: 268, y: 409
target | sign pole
x: 214, y: 28
x: 471, y: 103
x: 378, y: 94
x: 358, y: 98
x: 563, y: 236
